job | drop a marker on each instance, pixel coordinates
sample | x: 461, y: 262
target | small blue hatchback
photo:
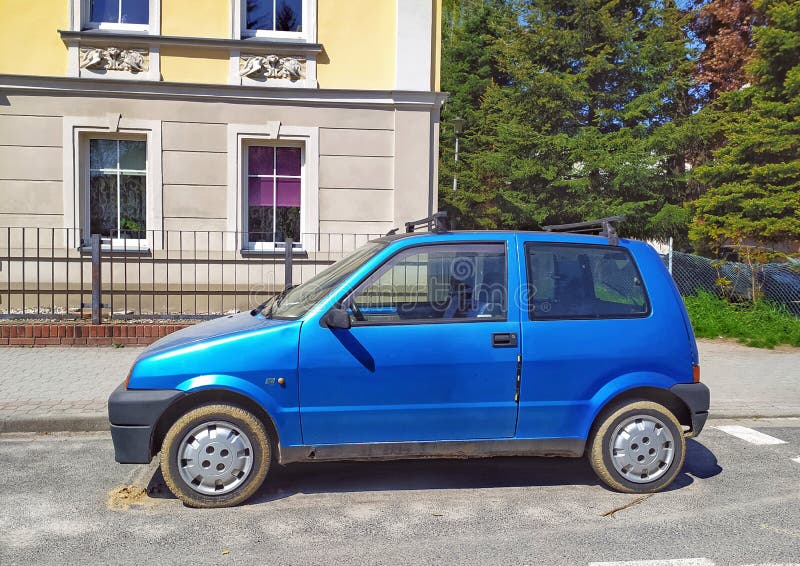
x: 430, y: 344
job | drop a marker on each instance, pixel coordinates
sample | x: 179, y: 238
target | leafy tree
x: 726, y: 29
x: 753, y: 180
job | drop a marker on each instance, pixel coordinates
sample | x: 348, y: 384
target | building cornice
x: 100, y: 38
x: 186, y: 91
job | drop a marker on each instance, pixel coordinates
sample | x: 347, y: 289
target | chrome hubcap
x: 215, y: 458
x: 642, y: 448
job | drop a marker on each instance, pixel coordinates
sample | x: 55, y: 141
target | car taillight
x: 696, y: 373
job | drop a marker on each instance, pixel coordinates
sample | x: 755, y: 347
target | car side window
x: 569, y: 281
x: 435, y: 283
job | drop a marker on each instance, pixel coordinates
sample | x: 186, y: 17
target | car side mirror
x: 336, y: 318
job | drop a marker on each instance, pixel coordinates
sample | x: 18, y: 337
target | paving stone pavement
x: 51, y: 389
x: 57, y: 389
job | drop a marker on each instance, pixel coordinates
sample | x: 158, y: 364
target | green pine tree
x: 471, y: 30
x: 753, y: 180
x: 583, y: 115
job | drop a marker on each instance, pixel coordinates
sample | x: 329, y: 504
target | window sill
x: 278, y: 36
x: 101, y: 37
x: 275, y: 252
x: 133, y: 247
x: 117, y: 250
x: 107, y: 27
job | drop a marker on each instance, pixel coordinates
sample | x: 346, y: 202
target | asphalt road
x: 735, y: 503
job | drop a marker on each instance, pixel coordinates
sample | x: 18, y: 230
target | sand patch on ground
x: 127, y: 496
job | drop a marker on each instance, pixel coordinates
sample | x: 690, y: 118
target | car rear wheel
x: 216, y: 456
x: 638, y: 447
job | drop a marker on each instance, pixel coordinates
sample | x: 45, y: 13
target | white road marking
x: 750, y: 435
x: 796, y: 459
x: 680, y: 562
x: 675, y: 562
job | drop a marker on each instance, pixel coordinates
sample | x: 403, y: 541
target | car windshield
x: 298, y: 300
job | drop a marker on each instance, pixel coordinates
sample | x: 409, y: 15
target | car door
x: 589, y: 322
x: 431, y: 354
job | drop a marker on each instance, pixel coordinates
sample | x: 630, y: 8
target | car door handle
x: 504, y: 339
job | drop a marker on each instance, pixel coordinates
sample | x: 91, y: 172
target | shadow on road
x: 341, y: 477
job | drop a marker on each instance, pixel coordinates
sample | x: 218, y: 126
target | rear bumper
x: 134, y: 414
x: 697, y: 398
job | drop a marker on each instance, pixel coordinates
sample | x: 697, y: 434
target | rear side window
x: 568, y: 281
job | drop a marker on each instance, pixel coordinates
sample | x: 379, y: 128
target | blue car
x: 430, y: 344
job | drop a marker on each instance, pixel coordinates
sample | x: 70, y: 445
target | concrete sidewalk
x: 66, y: 389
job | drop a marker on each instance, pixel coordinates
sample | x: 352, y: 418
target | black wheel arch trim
x: 140, y: 418
x: 697, y: 398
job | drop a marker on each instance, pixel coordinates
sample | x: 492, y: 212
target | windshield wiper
x: 276, y: 300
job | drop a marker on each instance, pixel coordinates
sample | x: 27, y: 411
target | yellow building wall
x: 29, y: 40
x: 358, y: 36
x: 196, y: 18
x: 194, y: 65
x: 436, y: 48
x: 359, y: 41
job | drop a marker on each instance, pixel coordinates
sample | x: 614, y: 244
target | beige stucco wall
x: 373, y: 163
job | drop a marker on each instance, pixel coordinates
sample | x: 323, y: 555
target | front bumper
x: 697, y: 398
x: 134, y: 414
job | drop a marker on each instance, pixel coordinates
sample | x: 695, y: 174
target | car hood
x: 216, y: 328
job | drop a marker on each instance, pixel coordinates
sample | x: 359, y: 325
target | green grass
x: 760, y: 325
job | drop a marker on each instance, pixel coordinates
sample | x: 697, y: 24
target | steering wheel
x: 356, y: 311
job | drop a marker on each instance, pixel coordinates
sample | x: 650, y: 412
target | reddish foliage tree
x: 726, y: 29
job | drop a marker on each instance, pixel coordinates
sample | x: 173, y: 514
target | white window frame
x: 309, y: 34
x: 133, y: 244
x: 242, y: 136
x: 75, y: 138
x: 255, y: 142
x: 82, y: 12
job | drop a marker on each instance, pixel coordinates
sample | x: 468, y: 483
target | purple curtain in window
x: 266, y: 160
x: 288, y: 192
x: 261, y: 160
x: 260, y: 192
x: 288, y: 161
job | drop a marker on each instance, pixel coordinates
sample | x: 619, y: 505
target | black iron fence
x: 59, y: 273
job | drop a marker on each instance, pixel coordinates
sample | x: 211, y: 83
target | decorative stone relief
x: 114, y: 59
x: 270, y: 67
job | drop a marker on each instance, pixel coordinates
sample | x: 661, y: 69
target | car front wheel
x: 216, y: 456
x: 638, y: 447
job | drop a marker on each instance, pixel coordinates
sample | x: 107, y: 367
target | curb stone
x: 55, y: 423
x: 98, y: 422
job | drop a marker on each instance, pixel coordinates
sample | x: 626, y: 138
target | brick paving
x: 49, y: 388
x: 66, y: 388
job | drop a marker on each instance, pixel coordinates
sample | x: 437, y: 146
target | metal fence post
x: 669, y: 267
x: 97, y: 279
x: 287, y: 277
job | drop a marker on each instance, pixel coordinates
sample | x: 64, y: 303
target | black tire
x: 602, y: 436
x: 243, y: 421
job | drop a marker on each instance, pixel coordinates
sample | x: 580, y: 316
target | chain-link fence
x: 777, y: 282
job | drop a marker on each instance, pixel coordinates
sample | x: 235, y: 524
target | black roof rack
x: 436, y: 223
x: 602, y: 227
